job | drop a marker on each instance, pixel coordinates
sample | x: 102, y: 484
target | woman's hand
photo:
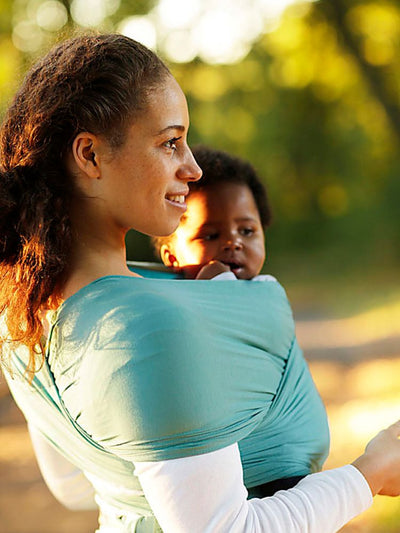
x: 380, y: 463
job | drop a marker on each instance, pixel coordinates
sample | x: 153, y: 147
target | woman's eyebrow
x: 175, y: 127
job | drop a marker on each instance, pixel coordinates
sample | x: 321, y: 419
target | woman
x: 128, y: 379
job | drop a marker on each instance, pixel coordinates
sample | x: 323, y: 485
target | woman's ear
x: 84, y: 153
x: 167, y: 257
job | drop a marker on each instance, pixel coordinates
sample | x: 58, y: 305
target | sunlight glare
x: 363, y: 421
x: 273, y: 9
x: 218, y: 32
x: 219, y: 38
x: 179, y: 47
x: 91, y: 13
x: 141, y: 29
x: 177, y: 14
x: 27, y: 36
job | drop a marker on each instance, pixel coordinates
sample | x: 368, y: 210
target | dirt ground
x: 26, y: 505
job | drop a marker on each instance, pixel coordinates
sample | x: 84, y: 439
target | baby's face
x: 221, y: 223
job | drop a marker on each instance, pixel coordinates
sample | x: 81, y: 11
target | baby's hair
x: 219, y: 168
x: 92, y: 83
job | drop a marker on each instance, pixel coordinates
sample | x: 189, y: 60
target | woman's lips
x: 177, y: 200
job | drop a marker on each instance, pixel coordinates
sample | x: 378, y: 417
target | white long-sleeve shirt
x: 206, y: 494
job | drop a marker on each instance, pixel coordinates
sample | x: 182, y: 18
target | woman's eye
x: 171, y: 144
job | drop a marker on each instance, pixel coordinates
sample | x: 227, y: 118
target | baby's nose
x: 233, y: 244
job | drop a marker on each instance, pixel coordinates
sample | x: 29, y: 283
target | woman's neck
x: 92, y: 259
x: 98, y: 245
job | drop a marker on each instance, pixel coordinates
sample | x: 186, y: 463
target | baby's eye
x: 210, y: 237
x: 207, y: 237
x: 246, y: 231
x: 171, y: 143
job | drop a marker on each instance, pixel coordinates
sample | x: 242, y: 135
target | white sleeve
x: 206, y: 494
x: 224, y: 276
x: 67, y: 483
x: 264, y: 277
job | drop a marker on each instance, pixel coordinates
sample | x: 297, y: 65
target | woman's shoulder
x: 122, y: 292
x: 112, y: 308
x: 116, y: 293
x: 122, y: 310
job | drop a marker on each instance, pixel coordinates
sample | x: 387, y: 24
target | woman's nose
x: 189, y: 170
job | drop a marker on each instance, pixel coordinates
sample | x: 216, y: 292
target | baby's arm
x: 212, y: 269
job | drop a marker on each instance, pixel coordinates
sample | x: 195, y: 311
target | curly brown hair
x: 94, y: 83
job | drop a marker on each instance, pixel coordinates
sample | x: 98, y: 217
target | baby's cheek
x: 208, y: 252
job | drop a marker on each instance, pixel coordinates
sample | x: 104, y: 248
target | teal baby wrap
x: 153, y: 369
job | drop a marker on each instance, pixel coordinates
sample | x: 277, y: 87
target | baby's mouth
x: 233, y: 266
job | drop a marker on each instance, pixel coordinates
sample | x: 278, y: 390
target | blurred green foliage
x: 315, y: 107
x: 302, y: 107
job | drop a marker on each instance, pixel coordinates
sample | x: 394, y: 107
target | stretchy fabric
x: 151, y: 370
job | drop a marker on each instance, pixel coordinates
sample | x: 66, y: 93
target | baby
x: 222, y: 231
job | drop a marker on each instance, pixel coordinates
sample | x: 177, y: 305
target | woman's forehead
x: 167, y: 107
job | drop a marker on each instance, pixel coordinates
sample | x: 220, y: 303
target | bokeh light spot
x: 207, y: 120
x: 141, y: 29
x: 27, y: 36
x: 220, y: 32
x: 178, y: 14
x: 250, y: 76
x: 51, y: 15
x: 207, y: 83
x: 179, y: 47
x: 378, y: 53
x: 381, y: 22
x: 290, y: 72
x: 219, y: 38
x: 92, y: 13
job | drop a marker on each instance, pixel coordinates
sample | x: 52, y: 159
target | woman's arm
x: 205, y: 494
x: 66, y: 482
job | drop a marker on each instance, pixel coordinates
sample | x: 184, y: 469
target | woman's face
x: 145, y: 182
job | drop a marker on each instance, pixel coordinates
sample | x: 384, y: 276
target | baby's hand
x: 212, y: 269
